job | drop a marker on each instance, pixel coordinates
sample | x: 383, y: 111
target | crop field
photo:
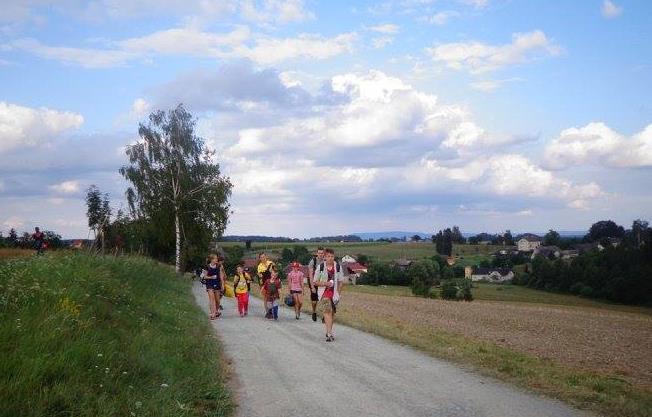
x: 381, y: 251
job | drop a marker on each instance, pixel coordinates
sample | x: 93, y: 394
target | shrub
x: 457, y: 289
x: 422, y: 276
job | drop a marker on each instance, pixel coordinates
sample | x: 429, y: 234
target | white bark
x: 177, y: 230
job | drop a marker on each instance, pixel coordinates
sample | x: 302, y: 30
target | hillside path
x: 286, y: 368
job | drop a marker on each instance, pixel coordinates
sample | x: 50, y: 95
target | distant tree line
x: 621, y: 271
x: 25, y: 241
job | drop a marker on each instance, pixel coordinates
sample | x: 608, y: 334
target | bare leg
x: 328, y: 320
x: 211, y: 303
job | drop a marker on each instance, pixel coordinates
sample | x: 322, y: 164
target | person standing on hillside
x: 39, y: 240
x: 263, y: 273
x: 328, y: 280
x: 316, y: 260
x: 295, y: 283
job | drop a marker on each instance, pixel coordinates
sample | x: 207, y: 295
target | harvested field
x: 604, y: 341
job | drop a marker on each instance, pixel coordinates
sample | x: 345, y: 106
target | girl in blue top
x: 214, y: 281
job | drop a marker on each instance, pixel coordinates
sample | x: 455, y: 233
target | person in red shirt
x: 39, y: 240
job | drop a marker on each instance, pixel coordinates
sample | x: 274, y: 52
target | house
x: 492, y: 274
x: 353, y: 270
x: 587, y: 247
x: 403, y: 263
x: 570, y: 253
x: 528, y: 243
x: 546, y: 251
x: 346, y: 259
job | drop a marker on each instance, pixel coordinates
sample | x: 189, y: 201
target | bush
x: 457, y: 289
x: 422, y: 276
x: 384, y: 274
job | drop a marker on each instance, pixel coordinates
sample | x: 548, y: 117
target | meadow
x: 104, y: 336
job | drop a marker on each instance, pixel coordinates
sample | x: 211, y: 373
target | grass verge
x: 103, y: 336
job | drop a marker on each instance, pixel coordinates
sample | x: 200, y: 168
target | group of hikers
x: 324, y: 283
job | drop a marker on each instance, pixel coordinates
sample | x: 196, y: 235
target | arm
x: 222, y: 275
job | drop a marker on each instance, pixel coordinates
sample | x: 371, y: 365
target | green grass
x: 103, y: 336
x: 509, y: 293
x: 381, y: 251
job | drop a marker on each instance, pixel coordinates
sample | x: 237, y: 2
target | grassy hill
x: 103, y: 336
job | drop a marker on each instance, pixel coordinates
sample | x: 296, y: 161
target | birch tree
x: 173, y: 175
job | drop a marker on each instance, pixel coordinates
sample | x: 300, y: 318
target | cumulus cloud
x: 192, y: 41
x: 275, y: 11
x: 610, y: 10
x: 387, y: 28
x: 25, y: 126
x: 440, y: 18
x: 66, y: 187
x: 597, y: 143
x: 478, y: 57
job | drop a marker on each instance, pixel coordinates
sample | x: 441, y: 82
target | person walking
x: 295, y: 283
x: 39, y: 241
x: 272, y: 294
x: 263, y: 273
x: 316, y: 260
x: 241, y: 285
x: 213, y: 278
x: 328, y: 280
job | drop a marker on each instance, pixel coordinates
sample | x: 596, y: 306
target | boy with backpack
x: 263, y: 274
x: 272, y: 294
x: 328, y: 280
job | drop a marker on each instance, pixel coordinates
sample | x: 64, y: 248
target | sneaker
x: 322, y: 320
x: 329, y: 338
x: 296, y: 316
x: 314, y: 316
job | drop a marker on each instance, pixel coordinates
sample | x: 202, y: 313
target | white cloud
x: 191, y: 41
x: 382, y: 41
x: 66, y: 187
x: 275, y: 11
x: 610, y: 10
x: 597, y: 143
x: 387, y: 28
x: 440, y: 18
x: 477, y: 57
x: 488, y: 86
x: 13, y: 221
x: 25, y: 126
x: 140, y: 107
x: 476, y: 3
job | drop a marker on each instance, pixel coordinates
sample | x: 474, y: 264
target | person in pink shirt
x: 295, y: 283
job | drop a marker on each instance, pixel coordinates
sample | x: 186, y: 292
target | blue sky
x: 334, y: 117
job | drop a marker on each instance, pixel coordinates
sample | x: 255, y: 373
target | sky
x: 335, y: 117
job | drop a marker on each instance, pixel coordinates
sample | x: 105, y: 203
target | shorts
x: 213, y: 285
x: 296, y: 292
x: 314, y: 296
x: 326, y: 305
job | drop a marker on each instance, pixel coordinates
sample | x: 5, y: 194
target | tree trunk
x: 177, y: 230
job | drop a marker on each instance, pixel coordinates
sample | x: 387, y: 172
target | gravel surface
x: 286, y: 369
x: 588, y: 338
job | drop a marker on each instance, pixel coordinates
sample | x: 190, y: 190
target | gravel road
x: 286, y: 368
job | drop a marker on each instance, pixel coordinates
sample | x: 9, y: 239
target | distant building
x: 528, y: 243
x: 570, y: 253
x: 546, y: 252
x: 403, y: 263
x: 348, y: 259
x: 353, y: 270
x: 587, y: 247
x: 492, y: 274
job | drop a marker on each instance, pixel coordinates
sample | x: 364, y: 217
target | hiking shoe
x: 329, y: 338
x: 296, y: 316
x: 314, y: 316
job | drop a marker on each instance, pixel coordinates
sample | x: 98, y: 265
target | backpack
x: 314, y: 264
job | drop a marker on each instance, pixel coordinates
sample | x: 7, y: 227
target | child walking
x: 272, y: 294
x: 241, y: 284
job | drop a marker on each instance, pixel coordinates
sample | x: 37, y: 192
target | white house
x: 528, y: 243
x: 492, y: 274
x: 348, y: 259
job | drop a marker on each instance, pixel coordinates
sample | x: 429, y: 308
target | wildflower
x: 139, y: 404
x: 99, y: 355
x: 124, y: 372
x: 164, y: 385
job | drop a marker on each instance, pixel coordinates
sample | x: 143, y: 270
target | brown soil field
x: 605, y: 341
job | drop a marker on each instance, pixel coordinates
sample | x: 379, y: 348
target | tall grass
x: 101, y: 336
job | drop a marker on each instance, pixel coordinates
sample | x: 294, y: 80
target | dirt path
x: 286, y: 368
